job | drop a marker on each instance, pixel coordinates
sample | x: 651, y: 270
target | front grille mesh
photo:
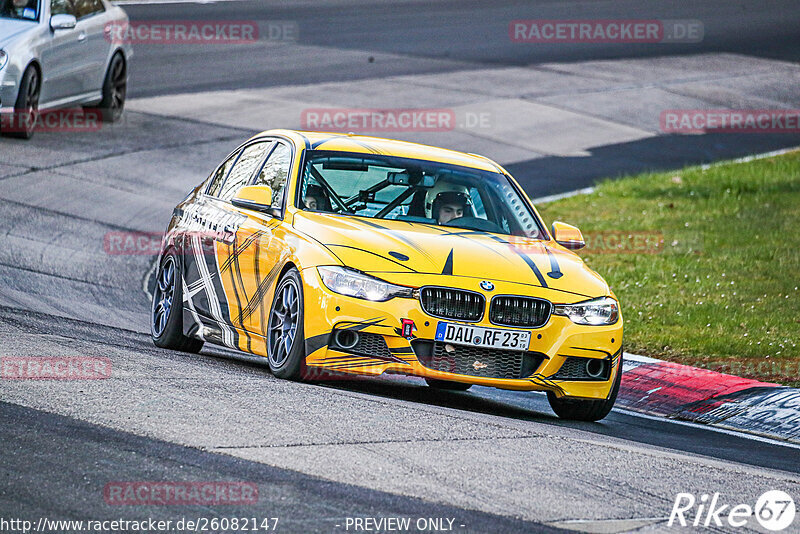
x: 452, y: 303
x: 478, y: 361
x: 369, y: 344
x: 372, y: 345
x: 574, y: 368
x: 519, y: 311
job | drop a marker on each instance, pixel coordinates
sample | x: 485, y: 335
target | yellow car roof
x: 390, y: 147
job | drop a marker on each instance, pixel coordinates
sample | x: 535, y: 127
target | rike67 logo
x: 774, y: 510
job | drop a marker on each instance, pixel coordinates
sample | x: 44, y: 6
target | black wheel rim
x: 118, y: 86
x: 283, y: 323
x: 162, y: 298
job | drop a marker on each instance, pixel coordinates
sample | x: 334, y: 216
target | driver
x: 315, y: 198
x: 23, y: 9
x: 449, y: 205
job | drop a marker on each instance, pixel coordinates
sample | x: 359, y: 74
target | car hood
x: 385, y: 246
x: 11, y: 28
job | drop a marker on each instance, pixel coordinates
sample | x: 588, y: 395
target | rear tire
x: 586, y: 410
x: 447, y: 385
x: 166, y: 317
x: 26, y: 108
x: 286, y: 350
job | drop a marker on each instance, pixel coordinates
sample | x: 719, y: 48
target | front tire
x: 26, y: 108
x: 586, y: 410
x: 286, y: 350
x: 447, y: 385
x: 166, y: 318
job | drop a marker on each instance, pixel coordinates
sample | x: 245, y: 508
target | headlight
x: 3, y: 59
x: 355, y: 284
x: 604, y: 310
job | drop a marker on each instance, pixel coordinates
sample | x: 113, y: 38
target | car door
x: 208, y: 244
x: 63, y: 58
x: 252, y: 262
x: 92, y: 23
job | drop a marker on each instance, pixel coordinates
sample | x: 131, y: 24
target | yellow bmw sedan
x: 330, y: 253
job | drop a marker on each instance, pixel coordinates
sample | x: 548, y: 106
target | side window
x: 219, y: 176
x: 243, y: 169
x: 63, y: 7
x: 275, y: 172
x: 85, y: 8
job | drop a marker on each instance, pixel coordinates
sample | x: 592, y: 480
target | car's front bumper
x: 8, y: 89
x: 550, y: 347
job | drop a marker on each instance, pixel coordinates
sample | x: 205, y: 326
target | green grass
x: 722, y: 291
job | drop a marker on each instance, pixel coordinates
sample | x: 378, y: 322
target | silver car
x: 57, y: 54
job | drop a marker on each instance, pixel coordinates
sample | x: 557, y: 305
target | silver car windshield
x: 416, y: 191
x: 20, y: 9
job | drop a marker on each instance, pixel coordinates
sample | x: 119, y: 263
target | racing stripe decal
x: 244, y: 246
x: 448, y: 265
x: 236, y: 275
x: 214, y: 303
x: 190, y: 306
x: 258, y: 296
x: 313, y: 344
x: 534, y: 268
x: 543, y: 381
x: 525, y: 258
x: 401, y: 237
x: 465, y: 235
x: 257, y: 272
x: 334, y: 245
x: 555, y: 269
x: 608, y: 354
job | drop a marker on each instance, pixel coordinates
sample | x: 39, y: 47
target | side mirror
x: 254, y: 197
x: 63, y: 22
x: 567, y: 236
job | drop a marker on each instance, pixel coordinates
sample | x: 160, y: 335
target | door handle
x: 81, y: 37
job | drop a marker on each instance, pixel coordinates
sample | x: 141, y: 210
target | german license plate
x: 478, y: 336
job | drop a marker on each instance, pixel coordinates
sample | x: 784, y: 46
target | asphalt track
x: 495, y: 461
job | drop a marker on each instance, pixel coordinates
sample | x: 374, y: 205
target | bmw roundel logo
x: 487, y: 285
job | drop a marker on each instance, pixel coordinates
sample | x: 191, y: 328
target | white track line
x: 751, y: 158
x: 641, y: 359
x: 744, y: 435
x: 590, y: 190
x: 551, y: 198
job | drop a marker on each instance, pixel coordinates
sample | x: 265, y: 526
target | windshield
x: 385, y: 187
x: 19, y: 9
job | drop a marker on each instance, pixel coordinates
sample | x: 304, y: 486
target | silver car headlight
x: 359, y: 285
x: 595, y: 312
x: 3, y: 59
